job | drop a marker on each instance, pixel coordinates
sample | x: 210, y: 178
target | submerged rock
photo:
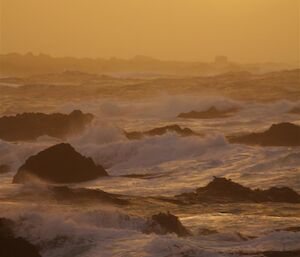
x: 30, y: 126
x: 282, y: 134
x: 59, y: 164
x: 295, y: 110
x: 12, y: 246
x: 222, y: 190
x: 165, y: 223
x: 4, y: 169
x: 282, y: 253
x: 211, y: 113
x: 160, y: 131
x: 84, y: 195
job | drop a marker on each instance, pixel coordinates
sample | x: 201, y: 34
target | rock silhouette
x: 30, y: 126
x: 282, y: 134
x: 165, y: 223
x: 12, y: 246
x: 211, y: 113
x: 59, y: 164
x: 160, y: 131
x: 222, y: 190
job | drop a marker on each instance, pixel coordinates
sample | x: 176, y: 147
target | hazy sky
x: 245, y: 30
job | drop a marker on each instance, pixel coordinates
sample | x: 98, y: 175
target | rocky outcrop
x: 211, y: 113
x: 12, y: 246
x: 30, y: 126
x: 282, y: 134
x: 160, y: 131
x: 222, y: 190
x: 59, y: 164
x: 4, y: 169
x: 166, y: 223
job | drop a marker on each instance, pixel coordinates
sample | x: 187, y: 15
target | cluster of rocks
x: 161, y: 131
x: 30, y: 126
x: 222, y: 190
x: 211, y: 113
x: 282, y: 134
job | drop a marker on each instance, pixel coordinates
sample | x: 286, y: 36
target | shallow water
x: 174, y: 165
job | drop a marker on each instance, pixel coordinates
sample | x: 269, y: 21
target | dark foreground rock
x: 30, y: 126
x: 282, y: 134
x: 160, y: 131
x: 4, y: 169
x: 59, y: 164
x: 81, y: 195
x: 12, y: 246
x: 222, y: 190
x: 211, y: 113
x: 166, y: 223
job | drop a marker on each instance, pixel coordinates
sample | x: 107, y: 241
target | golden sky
x: 244, y: 30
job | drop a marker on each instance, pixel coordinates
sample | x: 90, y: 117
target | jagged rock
x: 211, y: 113
x: 160, y: 131
x: 222, y: 190
x: 84, y: 195
x: 165, y: 223
x: 4, y: 169
x: 59, y: 164
x: 12, y: 246
x: 30, y: 126
x: 282, y: 134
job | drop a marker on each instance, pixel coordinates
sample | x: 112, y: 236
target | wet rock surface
x: 161, y: 131
x: 81, y: 195
x: 166, y: 223
x: 30, y: 126
x: 12, y: 246
x: 211, y: 113
x: 282, y: 134
x: 222, y: 190
x: 59, y: 164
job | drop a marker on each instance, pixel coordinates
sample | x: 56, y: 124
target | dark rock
x: 222, y: 190
x: 12, y: 246
x: 84, y: 195
x: 289, y: 229
x: 160, y: 131
x: 59, y: 164
x: 165, y: 223
x: 211, y: 113
x: 4, y: 169
x: 282, y: 253
x: 282, y: 134
x: 30, y: 126
x: 206, y: 232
